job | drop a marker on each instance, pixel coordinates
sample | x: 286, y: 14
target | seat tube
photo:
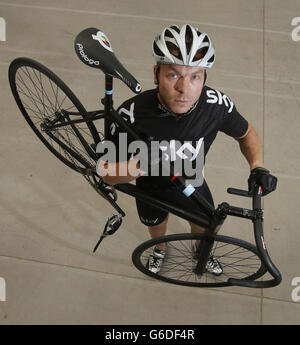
x: 108, y: 104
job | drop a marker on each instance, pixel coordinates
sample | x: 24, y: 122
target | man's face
x: 179, y: 86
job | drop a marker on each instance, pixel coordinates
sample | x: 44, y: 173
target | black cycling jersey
x: 213, y: 112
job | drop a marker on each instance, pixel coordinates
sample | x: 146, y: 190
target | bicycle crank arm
x: 98, y: 243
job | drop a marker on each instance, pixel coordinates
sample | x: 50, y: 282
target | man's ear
x: 155, y: 72
x: 205, y: 77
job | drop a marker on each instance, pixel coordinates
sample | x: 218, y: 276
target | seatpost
x: 108, y: 104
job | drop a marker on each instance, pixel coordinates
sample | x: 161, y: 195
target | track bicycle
x: 72, y: 133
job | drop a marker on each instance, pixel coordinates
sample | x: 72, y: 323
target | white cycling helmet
x: 186, y: 46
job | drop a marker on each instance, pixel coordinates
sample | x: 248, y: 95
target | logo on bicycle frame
x: 103, y: 40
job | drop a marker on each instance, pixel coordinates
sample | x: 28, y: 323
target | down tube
x: 199, y: 219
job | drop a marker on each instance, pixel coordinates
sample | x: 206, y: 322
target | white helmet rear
x: 186, y: 46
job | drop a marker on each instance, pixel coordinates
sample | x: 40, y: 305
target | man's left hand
x: 262, y: 177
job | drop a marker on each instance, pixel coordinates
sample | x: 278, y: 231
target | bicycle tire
x: 41, y: 95
x: 178, y: 266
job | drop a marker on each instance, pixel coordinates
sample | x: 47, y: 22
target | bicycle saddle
x: 94, y: 49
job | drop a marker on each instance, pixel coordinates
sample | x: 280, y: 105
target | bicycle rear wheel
x: 238, y: 258
x: 45, y: 100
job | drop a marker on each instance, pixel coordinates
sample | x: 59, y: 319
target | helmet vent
x: 212, y: 59
x: 188, y: 39
x: 157, y: 51
x: 174, y: 50
x: 200, y: 53
x: 176, y: 28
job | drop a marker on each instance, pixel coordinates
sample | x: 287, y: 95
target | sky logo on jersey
x: 174, y: 148
x: 129, y: 114
x: 215, y: 96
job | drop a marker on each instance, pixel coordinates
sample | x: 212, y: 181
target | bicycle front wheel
x: 239, y: 259
x: 49, y: 107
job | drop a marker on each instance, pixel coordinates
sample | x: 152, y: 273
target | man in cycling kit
x: 182, y: 109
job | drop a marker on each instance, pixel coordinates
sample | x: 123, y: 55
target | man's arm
x: 121, y: 172
x: 251, y: 148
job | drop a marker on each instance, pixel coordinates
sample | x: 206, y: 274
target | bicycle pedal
x: 112, y: 225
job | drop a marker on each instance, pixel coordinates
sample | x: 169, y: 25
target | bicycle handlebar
x: 260, y: 243
x: 239, y: 192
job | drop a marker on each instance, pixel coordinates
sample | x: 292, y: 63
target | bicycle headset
x: 186, y: 47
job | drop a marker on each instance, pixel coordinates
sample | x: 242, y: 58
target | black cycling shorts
x: 151, y: 215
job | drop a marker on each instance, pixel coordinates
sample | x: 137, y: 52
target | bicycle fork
x: 204, y: 249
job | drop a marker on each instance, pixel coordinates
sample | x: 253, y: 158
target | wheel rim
x: 239, y: 260
x: 42, y: 100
